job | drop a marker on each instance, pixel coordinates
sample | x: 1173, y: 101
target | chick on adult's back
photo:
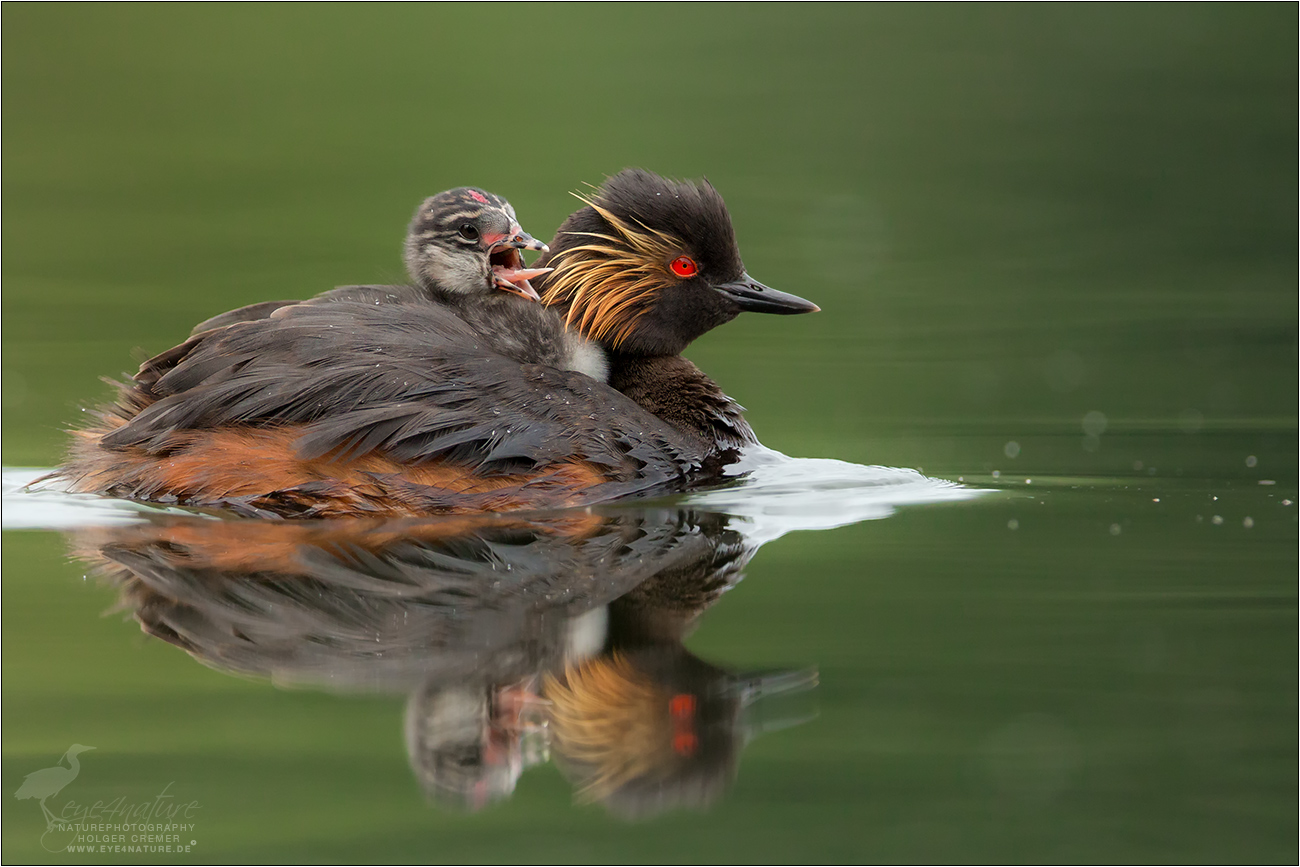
x: 462, y: 251
x: 444, y: 227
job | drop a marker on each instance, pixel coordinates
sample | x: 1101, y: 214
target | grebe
x: 396, y: 405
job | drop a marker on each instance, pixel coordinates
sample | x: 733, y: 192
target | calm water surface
x: 1068, y: 669
x: 1055, y: 250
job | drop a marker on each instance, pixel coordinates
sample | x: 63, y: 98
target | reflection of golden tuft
x: 610, y: 281
x: 611, y: 721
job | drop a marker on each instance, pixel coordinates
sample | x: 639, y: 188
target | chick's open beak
x: 508, y: 271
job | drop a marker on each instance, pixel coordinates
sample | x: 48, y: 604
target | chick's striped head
x: 466, y: 242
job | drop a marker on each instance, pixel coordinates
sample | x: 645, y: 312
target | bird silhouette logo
x: 48, y: 782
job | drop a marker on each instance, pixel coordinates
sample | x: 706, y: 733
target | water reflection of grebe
x: 514, y: 636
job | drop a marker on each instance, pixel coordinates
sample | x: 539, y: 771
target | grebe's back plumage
x: 348, y: 408
x: 378, y: 399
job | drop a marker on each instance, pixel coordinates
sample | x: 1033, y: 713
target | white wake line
x: 778, y: 495
x: 46, y: 507
x: 782, y: 494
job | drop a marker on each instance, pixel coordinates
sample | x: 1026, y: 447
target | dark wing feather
x: 263, y: 309
x: 240, y: 314
x: 406, y: 378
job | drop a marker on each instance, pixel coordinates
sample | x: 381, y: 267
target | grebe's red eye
x: 684, y: 266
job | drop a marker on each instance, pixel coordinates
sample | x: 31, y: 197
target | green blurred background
x: 1012, y: 217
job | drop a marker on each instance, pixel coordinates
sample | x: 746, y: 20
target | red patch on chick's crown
x: 478, y: 197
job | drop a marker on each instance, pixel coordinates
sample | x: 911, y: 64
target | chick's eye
x: 684, y: 266
x: 468, y: 232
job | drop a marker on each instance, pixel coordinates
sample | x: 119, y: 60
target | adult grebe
x: 397, y: 405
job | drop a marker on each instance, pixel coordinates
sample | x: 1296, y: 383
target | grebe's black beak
x: 754, y: 296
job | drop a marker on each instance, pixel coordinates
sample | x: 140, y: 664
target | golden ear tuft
x: 609, y: 282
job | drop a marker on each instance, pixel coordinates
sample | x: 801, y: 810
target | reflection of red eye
x: 684, y: 266
x: 685, y: 744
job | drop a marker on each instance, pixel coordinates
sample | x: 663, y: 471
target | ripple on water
x: 773, y: 493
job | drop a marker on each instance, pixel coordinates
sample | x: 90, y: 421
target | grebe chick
x: 461, y: 247
x: 450, y: 226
